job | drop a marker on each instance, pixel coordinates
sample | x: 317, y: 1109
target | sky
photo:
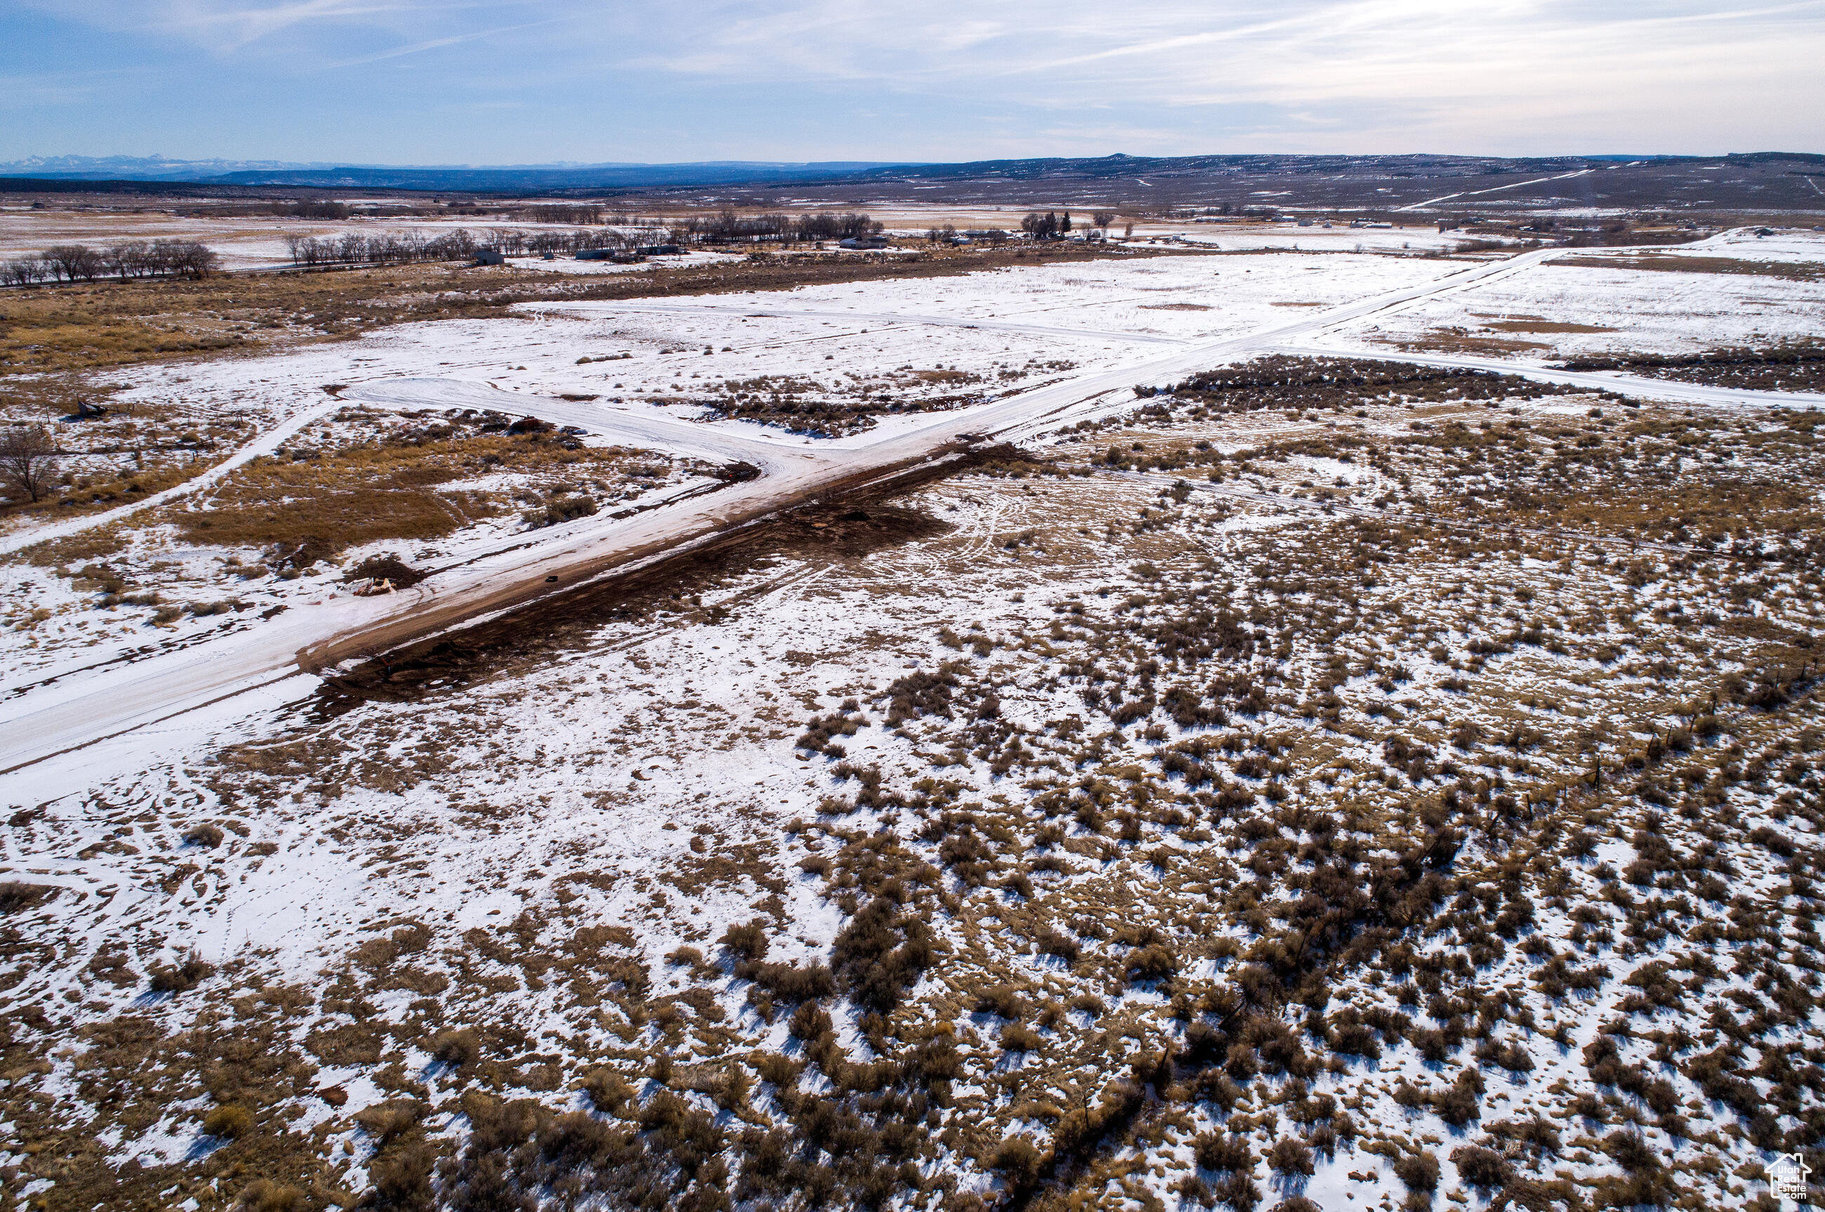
x: 589, y: 81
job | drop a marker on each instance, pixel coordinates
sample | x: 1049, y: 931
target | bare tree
x: 1103, y: 218
x: 28, y: 460
x: 75, y: 261
x: 24, y: 271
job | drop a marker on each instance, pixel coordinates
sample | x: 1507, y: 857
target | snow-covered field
x: 1321, y: 785
x: 1666, y: 310
x: 260, y: 242
x: 1340, y: 237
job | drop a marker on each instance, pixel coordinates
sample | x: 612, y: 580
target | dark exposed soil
x: 1336, y: 383
x: 830, y: 418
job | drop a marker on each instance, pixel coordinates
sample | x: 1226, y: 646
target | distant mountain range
x: 429, y: 177
x: 140, y: 168
x: 1761, y: 180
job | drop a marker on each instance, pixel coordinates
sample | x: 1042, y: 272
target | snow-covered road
x: 76, y: 711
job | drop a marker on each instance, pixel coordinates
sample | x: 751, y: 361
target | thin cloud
x: 226, y: 26
x: 22, y: 90
x: 879, y: 78
x: 419, y: 48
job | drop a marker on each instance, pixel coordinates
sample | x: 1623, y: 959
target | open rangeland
x: 1157, y: 726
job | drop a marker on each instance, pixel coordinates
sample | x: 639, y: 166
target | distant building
x: 594, y: 254
x: 660, y: 250
x: 864, y: 242
x: 489, y: 256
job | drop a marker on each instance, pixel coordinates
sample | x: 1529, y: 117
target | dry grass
x: 320, y: 508
x: 1790, y: 271
x: 100, y: 491
x: 1462, y: 340
x: 1545, y: 326
x: 311, y: 505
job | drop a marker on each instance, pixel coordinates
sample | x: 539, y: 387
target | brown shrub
x: 402, y: 1177
x: 1481, y: 1167
x: 263, y: 1195
x: 181, y: 978
x: 1052, y: 941
x: 1018, y: 1037
x: 228, y: 1122
x: 1462, y: 1100
x: 789, y: 982
x: 1290, y: 1156
x: 17, y: 896
x: 1154, y: 962
x: 208, y: 836
x: 1419, y: 1171
x: 389, y: 1120
x: 746, y: 941
x: 458, y: 1047
x: 1002, y: 1000
x: 1217, y: 1151
x: 1017, y: 1160
x: 608, y: 1091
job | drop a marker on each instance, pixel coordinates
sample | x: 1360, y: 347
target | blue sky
x: 535, y: 81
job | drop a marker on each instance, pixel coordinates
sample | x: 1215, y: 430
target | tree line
x: 727, y: 227
x: 190, y: 259
x: 383, y: 248
x: 578, y: 215
x: 402, y: 248
x: 514, y: 242
x: 129, y: 259
x: 948, y: 234
x: 1053, y: 226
